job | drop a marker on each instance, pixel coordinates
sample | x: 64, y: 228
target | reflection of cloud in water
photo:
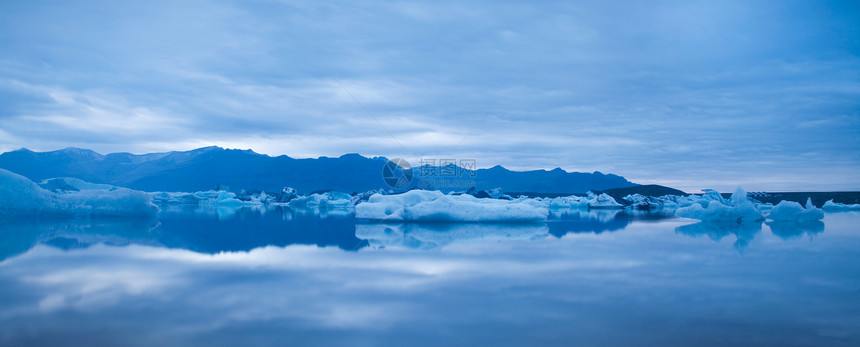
x: 787, y: 230
x: 649, y: 287
x: 438, y: 235
x: 744, y: 232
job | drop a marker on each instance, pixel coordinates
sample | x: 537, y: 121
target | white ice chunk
x: 793, y: 211
x: 423, y: 205
x: 572, y: 201
x: 835, y: 206
x: 602, y: 201
x: 324, y: 200
x: 738, y: 209
x: 591, y: 201
x: 172, y: 198
x: 20, y: 196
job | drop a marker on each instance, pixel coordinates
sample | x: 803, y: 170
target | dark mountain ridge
x: 207, y: 167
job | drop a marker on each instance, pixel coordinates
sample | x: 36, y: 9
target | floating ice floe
x: 423, y: 205
x: 324, y: 200
x: 287, y: 194
x: 642, y: 202
x: 20, y: 196
x: 738, y: 209
x: 362, y: 197
x: 793, y: 211
x: 835, y: 206
x: 209, y: 197
x: 602, y: 201
x: 564, y: 202
x: 592, y: 200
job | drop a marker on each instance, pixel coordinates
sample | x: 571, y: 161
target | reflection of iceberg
x: 215, y: 210
x: 585, y: 221
x: 205, y: 229
x: 20, y: 196
x: 602, y: 215
x: 423, y: 205
x: 438, y: 235
x: 787, y: 230
x: 250, y: 227
x: 745, y: 232
x: 19, y: 235
x: 562, y: 222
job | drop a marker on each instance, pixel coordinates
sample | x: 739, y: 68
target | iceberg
x: 424, y: 205
x: 602, y: 201
x: 287, y: 194
x: 591, y: 201
x: 20, y: 196
x: 173, y: 198
x: 642, y: 202
x: 209, y: 197
x: 572, y: 201
x: 362, y: 197
x: 324, y: 200
x: 835, y: 206
x: 738, y: 209
x: 793, y: 211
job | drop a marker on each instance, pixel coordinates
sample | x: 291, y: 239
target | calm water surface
x: 287, y: 277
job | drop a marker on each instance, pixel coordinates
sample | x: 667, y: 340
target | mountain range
x: 209, y: 167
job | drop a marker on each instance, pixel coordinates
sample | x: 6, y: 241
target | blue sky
x: 761, y: 94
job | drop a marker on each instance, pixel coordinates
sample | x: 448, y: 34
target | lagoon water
x: 296, y: 277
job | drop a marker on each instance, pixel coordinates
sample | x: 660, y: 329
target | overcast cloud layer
x: 693, y: 95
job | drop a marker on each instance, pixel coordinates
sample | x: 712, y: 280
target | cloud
x: 656, y: 92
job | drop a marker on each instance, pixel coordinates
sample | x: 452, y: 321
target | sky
x: 759, y: 94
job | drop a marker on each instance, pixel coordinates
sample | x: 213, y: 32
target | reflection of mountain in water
x: 563, y: 221
x: 206, y: 230
x: 438, y: 235
x: 744, y: 232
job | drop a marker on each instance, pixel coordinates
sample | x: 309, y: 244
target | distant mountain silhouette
x: 208, y: 167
